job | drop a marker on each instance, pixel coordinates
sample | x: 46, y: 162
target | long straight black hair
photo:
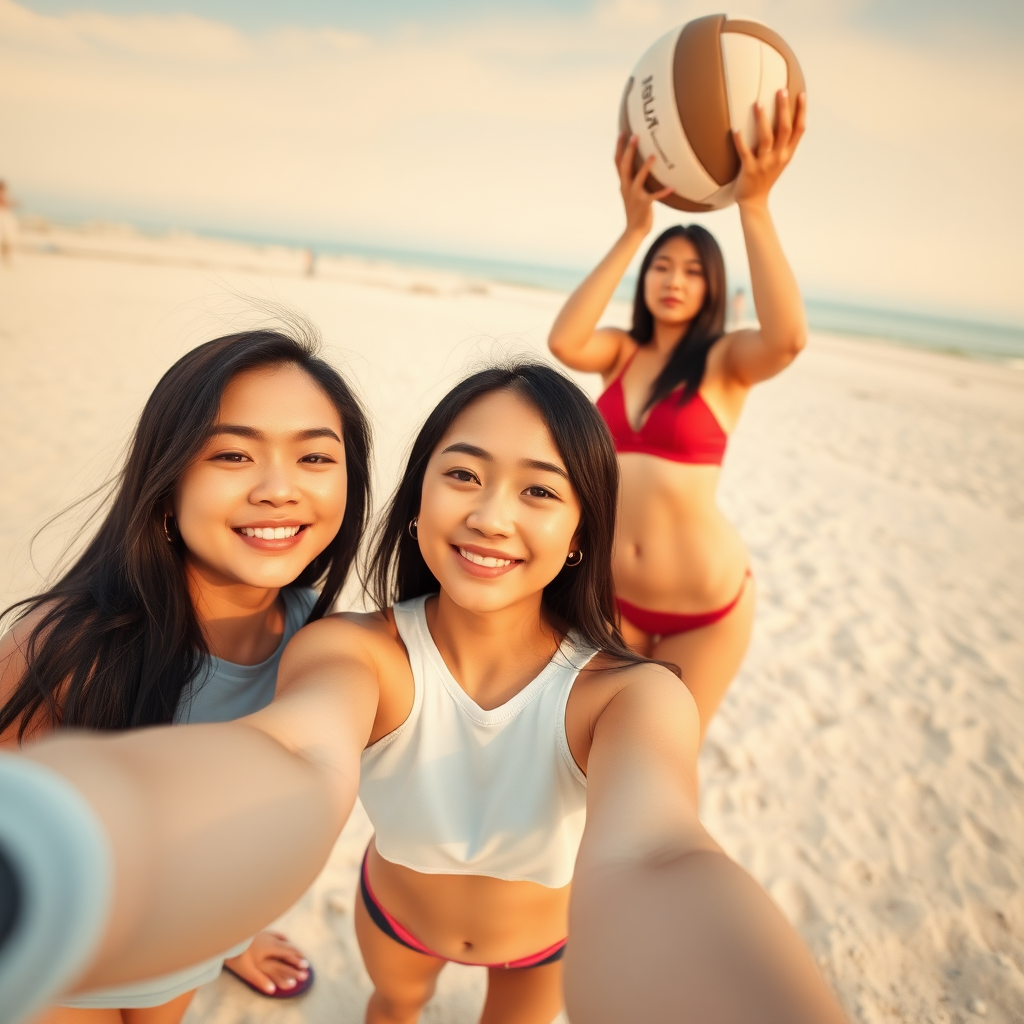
x: 689, y: 359
x: 118, y: 640
x: 579, y: 599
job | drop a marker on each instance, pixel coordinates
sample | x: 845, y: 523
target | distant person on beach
x: 737, y: 310
x: 246, y: 486
x: 531, y: 780
x: 8, y: 224
x: 675, y: 386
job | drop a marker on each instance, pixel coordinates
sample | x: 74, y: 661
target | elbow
x: 792, y: 345
x: 556, y: 346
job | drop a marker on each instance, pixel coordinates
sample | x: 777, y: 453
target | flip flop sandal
x: 280, y: 993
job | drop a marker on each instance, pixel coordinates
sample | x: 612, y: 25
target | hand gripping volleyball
x: 693, y: 87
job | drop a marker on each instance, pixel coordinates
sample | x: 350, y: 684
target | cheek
x: 440, y: 509
x: 328, y: 495
x: 551, y: 536
x: 202, y: 502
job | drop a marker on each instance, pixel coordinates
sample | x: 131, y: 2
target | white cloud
x: 495, y: 137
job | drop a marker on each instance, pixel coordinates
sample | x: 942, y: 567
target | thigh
x: 532, y: 995
x: 710, y: 657
x: 66, y: 1015
x: 167, y: 1013
x: 404, y: 977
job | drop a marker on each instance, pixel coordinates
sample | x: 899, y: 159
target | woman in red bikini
x: 676, y: 383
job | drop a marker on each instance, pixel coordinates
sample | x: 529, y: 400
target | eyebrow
x: 464, y: 448
x: 688, y: 260
x: 237, y: 430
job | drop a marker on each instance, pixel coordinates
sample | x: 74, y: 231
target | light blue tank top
x: 225, y: 691
x: 222, y: 692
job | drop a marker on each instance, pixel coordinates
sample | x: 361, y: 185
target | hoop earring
x: 577, y: 555
x: 413, y: 531
x: 167, y: 533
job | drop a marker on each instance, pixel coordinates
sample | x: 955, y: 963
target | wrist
x: 753, y: 204
x: 633, y: 235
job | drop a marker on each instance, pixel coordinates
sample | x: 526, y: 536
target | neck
x: 242, y: 624
x: 667, y: 336
x: 495, y: 654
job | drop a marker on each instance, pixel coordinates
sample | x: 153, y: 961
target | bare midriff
x: 674, y: 550
x: 471, y: 918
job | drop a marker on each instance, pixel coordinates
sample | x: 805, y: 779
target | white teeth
x: 485, y: 560
x: 270, y: 532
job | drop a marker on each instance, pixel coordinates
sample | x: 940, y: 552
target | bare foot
x: 270, y: 963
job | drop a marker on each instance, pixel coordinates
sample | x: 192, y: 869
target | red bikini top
x: 681, y: 433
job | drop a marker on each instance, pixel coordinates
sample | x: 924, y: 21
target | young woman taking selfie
x: 246, y: 484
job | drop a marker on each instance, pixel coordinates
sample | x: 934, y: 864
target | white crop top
x: 458, y: 790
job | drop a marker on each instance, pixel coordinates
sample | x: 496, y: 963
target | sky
x: 486, y: 127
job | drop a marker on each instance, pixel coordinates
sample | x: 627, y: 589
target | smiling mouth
x: 486, y: 560
x: 269, y: 532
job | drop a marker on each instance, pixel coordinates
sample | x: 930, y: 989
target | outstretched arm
x: 753, y: 356
x: 663, y: 926
x: 574, y: 338
x: 217, y: 829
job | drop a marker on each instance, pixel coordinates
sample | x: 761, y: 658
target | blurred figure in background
x: 8, y: 224
x: 737, y: 309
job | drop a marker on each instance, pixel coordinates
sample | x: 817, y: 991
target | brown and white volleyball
x: 693, y: 87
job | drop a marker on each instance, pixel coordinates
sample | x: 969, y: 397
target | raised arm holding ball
x: 676, y: 384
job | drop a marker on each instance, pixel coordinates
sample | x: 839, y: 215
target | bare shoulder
x: 645, y: 699
x: 369, y: 637
x: 746, y: 357
x: 644, y: 684
x: 14, y: 662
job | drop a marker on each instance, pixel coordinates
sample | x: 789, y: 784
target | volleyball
x: 694, y: 86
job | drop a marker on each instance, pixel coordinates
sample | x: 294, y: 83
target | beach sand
x: 865, y: 766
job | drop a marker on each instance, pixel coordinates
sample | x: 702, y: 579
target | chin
x: 676, y: 315
x: 270, y: 577
x: 481, y: 597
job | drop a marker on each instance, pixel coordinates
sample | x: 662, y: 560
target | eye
x: 317, y: 460
x: 541, y: 492
x: 464, y: 476
x: 235, y: 457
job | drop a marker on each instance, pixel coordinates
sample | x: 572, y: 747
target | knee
x: 399, y: 1006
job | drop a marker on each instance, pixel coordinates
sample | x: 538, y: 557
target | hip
x: 688, y: 566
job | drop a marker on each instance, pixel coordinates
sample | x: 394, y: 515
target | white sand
x: 866, y: 765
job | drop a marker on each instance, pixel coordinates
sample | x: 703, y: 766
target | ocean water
x: 977, y: 339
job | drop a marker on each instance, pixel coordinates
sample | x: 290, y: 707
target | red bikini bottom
x: 669, y: 623
x: 391, y: 928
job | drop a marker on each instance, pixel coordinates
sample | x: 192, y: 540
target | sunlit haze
x: 487, y: 129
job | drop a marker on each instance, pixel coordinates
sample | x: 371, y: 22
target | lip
x: 485, y: 572
x: 671, y: 301
x: 275, y: 544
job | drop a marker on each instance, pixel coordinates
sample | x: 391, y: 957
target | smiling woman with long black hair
x: 246, y: 485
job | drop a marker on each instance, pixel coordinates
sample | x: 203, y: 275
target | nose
x: 492, y: 515
x: 276, y: 486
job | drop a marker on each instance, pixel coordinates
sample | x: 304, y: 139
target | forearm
x: 689, y: 937
x: 579, y: 317
x: 215, y: 831
x: 777, y: 299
